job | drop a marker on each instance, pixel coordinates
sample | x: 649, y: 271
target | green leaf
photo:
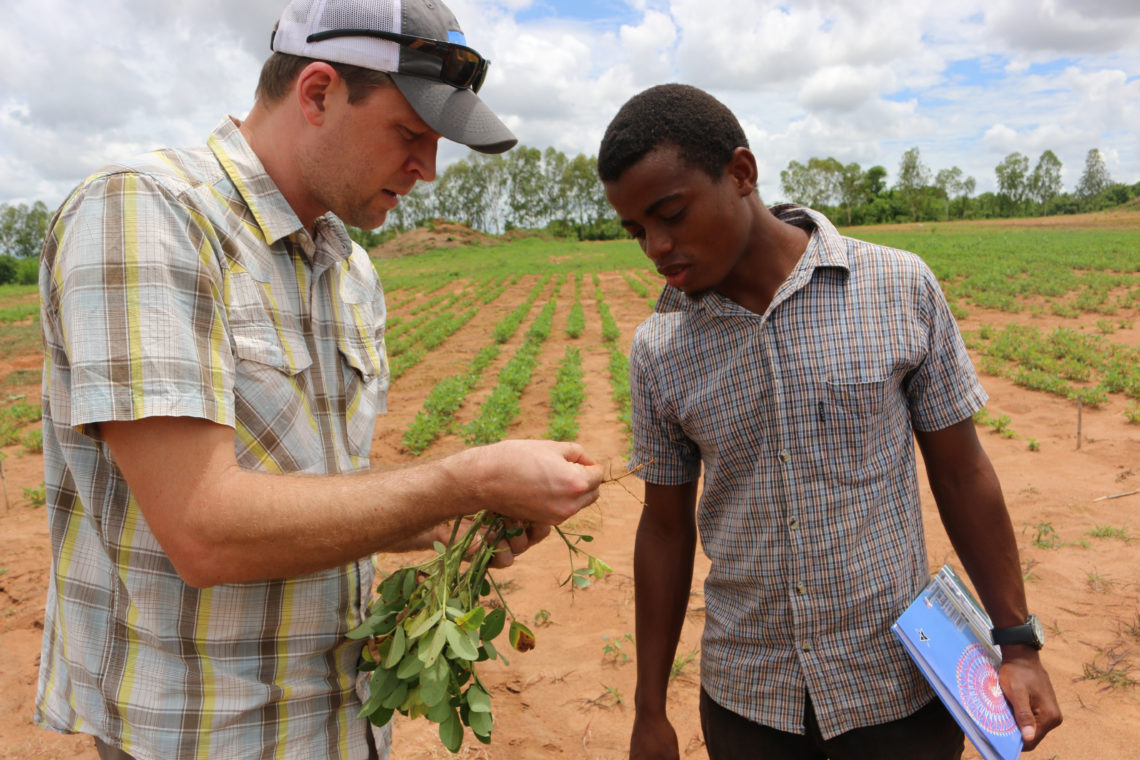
x: 368, y: 627
x: 409, y: 583
x: 599, y: 569
x: 397, y: 696
x: 472, y: 619
x: 396, y: 652
x: 581, y: 581
x: 460, y: 642
x: 440, y: 711
x: 380, y: 685
x: 410, y: 666
x: 381, y: 716
x: 451, y: 732
x: 425, y: 625
x: 431, y: 651
x: 478, y: 699
x: 439, y: 547
x: 434, y: 693
x: 481, y: 723
x: 493, y: 624
x: 490, y: 650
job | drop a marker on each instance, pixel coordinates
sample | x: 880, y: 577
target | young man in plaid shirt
x: 797, y: 366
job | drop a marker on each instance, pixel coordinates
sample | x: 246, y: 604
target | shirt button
x: 794, y: 524
x: 806, y: 646
x: 801, y: 588
x: 785, y: 456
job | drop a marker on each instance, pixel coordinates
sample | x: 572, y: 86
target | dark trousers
x: 929, y: 734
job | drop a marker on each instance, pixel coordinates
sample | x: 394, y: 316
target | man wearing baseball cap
x: 214, y: 351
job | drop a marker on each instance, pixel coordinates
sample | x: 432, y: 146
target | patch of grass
x: 20, y: 338
x: 1107, y: 531
x: 1099, y: 584
x: 23, y: 377
x: 1110, y: 667
x: 1045, y: 537
x: 613, y: 650
x: 680, y: 663
x: 36, y: 497
x: 1028, y: 574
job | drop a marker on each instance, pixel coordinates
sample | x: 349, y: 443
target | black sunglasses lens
x: 464, y: 68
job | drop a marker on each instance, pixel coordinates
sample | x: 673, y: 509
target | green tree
x: 969, y: 185
x: 875, y: 181
x: 1094, y: 180
x: 526, y: 202
x: 1045, y: 182
x: 949, y: 181
x: 851, y: 187
x: 1012, y: 179
x: 22, y: 229
x: 813, y: 185
x: 914, y: 176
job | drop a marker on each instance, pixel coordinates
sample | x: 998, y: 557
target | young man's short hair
x: 702, y: 128
x: 281, y: 69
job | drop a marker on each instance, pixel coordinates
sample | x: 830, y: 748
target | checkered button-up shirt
x: 803, y: 418
x: 182, y: 284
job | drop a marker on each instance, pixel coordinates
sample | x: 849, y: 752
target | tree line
x: 534, y: 189
x: 849, y: 195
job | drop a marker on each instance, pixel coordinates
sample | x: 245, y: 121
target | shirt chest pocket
x: 850, y: 417
x: 275, y: 427
x: 364, y: 371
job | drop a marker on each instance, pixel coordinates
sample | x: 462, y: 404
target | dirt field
x: 569, y: 697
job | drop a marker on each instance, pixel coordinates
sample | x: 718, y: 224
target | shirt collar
x: 273, y: 214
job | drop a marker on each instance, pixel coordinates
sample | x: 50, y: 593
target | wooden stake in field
x: 4, y: 482
x: 1080, y: 410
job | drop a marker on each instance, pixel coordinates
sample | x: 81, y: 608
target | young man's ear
x: 312, y: 89
x: 742, y: 169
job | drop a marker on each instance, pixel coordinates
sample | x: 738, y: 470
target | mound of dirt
x: 439, y: 234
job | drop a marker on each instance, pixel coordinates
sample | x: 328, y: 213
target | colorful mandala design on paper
x: 980, y: 692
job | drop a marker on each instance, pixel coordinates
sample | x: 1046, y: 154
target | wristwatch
x: 1029, y: 632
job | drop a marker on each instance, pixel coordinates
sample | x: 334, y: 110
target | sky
x: 966, y: 81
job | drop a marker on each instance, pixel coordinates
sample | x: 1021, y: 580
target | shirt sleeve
x: 661, y: 448
x: 136, y: 312
x: 944, y: 389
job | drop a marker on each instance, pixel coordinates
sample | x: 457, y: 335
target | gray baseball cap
x: 419, y: 43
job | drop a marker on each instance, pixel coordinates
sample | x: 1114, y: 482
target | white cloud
x: 82, y: 84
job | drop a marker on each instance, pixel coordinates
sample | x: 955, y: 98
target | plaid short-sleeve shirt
x: 182, y: 284
x: 803, y: 418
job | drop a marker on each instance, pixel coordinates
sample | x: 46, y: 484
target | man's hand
x: 653, y: 739
x: 544, y: 482
x: 1029, y: 692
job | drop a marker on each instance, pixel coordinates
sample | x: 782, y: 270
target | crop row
x: 448, y: 395
x: 502, y: 406
x: 1062, y: 362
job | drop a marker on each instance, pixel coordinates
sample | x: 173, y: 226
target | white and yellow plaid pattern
x: 182, y: 284
x: 803, y: 418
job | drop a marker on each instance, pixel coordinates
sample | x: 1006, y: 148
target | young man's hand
x: 654, y: 738
x: 1029, y: 692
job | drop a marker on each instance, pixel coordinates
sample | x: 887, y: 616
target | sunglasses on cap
x: 462, y: 67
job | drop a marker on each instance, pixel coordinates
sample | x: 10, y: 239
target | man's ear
x: 312, y: 89
x: 742, y: 170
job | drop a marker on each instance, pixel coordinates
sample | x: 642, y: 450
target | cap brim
x: 456, y: 114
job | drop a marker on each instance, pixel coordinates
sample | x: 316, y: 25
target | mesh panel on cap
x: 299, y: 10
x: 370, y: 14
